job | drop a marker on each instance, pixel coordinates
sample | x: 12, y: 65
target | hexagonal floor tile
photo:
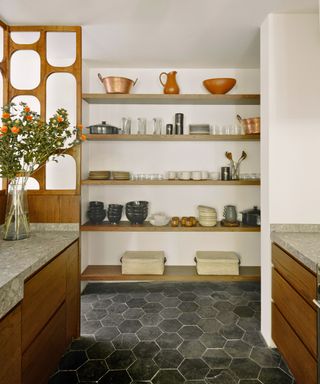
x: 237, y: 348
x: 133, y: 313
x: 187, y: 296
x: 125, y: 341
x: 191, y: 349
x: 170, y: 302
x: 245, y: 368
x: 169, y: 340
x: 190, y: 332
x: 189, y: 318
x: 210, y: 325
x: 203, y: 290
x: 143, y: 369
x: 265, y: 357
x: 120, y: 359
x: 249, y: 323
x: 106, y: 333
x: 120, y: 376
x: 204, y: 301
x: 207, y: 312
x: 148, y: 333
x: 151, y: 319
x: 170, y: 313
x: 90, y: 327
x: 223, y: 306
x: 146, y: 349
x: 170, y: 358
x: 152, y: 307
x: 72, y: 360
x: 274, y: 375
x: 121, y: 298
x: 213, y: 340
x: 194, y: 369
x: 222, y: 378
x: 92, y: 370
x: 136, y: 303
x: 82, y: 343
x: 254, y: 338
x: 64, y: 377
x: 171, y: 292
x: 232, y: 332
x: 170, y: 325
x: 154, y: 297
x: 130, y: 326
x: 188, y: 306
x: 96, y: 314
x: 216, y: 358
x: 100, y: 350
x: 243, y: 311
x: 117, y: 308
x: 112, y: 320
x: 227, y: 317
x: 168, y: 377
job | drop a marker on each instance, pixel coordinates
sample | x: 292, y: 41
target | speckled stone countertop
x: 20, y: 259
x: 304, y: 246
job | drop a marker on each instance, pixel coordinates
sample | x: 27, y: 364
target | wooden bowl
x: 219, y: 86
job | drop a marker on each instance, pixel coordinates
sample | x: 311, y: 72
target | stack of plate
x: 121, y: 175
x: 99, y: 175
x: 199, y: 129
x: 207, y: 216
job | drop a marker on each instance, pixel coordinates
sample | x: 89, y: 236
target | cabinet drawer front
x: 299, y: 277
x: 298, y: 313
x: 43, y: 294
x: 10, y: 347
x: 300, y: 361
x: 41, y: 358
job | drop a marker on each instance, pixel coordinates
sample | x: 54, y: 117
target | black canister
x: 169, y: 129
x: 178, y: 120
x: 225, y: 173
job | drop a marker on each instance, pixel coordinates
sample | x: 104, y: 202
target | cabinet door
x: 40, y: 359
x: 10, y: 347
x: 73, y: 292
x: 43, y: 294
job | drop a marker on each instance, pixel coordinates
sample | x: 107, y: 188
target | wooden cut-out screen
x: 45, y: 205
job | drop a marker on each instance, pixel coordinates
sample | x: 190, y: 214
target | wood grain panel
x: 10, y: 347
x: 298, y: 276
x: 43, y: 294
x: 171, y: 273
x: 300, y: 361
x: 73, y: 292
x: 69, y: 209
x: 41, y: 358
x: 298, y: 313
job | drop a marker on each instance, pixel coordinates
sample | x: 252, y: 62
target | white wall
x: 160, y: 157
x: 290, y: 88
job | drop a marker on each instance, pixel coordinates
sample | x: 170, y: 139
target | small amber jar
x: 183, y: 221
x: 194, y: 220
x: 189, y: 222
x: 175, y: 221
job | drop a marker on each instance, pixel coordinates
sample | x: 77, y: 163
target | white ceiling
x: 159, y: 33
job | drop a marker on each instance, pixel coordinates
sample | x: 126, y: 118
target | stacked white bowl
x: 207, y: 216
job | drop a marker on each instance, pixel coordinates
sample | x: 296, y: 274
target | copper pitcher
x: 170, y: 87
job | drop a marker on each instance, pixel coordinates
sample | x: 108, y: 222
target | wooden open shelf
x: 115, y: 137
x: 201, y: 99
x: 171, y: 273
x: 125, y: 226
x: 171, y: 182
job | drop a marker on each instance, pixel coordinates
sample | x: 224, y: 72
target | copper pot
x: 251, y: 126
x: 115, y: 84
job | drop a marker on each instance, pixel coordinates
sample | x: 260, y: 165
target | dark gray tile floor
x: 171, y: 333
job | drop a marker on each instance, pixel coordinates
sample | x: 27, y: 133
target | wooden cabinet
x: 10, y: 347
x: 294, y: 317
x: 35, y: 334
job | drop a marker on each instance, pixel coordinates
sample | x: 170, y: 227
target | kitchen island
x: 39, y: 302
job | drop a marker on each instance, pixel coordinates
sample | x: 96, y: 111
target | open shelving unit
x: 171, y: 273
x: 176, y: 272
x: 126, y: 226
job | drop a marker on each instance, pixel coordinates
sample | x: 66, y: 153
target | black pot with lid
x: 251, y: 217
x: 103, y: 128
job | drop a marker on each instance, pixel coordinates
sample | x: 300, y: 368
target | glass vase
x: 16, y: 225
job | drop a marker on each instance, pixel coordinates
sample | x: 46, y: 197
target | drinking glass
x: 142, y: 126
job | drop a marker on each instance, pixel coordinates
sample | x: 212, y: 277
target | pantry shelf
x: 114, y: 137
x: 171, y: 273
x: 200, y: 99
x: 171, y: 182
x: 125, y: 226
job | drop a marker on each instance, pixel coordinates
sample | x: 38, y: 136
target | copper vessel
x: 170, y: 87
x: 115, y: 84
x: 251, y: 126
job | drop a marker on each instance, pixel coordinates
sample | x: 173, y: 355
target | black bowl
x: 137, y: 203
x: 136, y: 218
x: 115, y: 206
x: 95, y: 204
x: 114, y: 219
